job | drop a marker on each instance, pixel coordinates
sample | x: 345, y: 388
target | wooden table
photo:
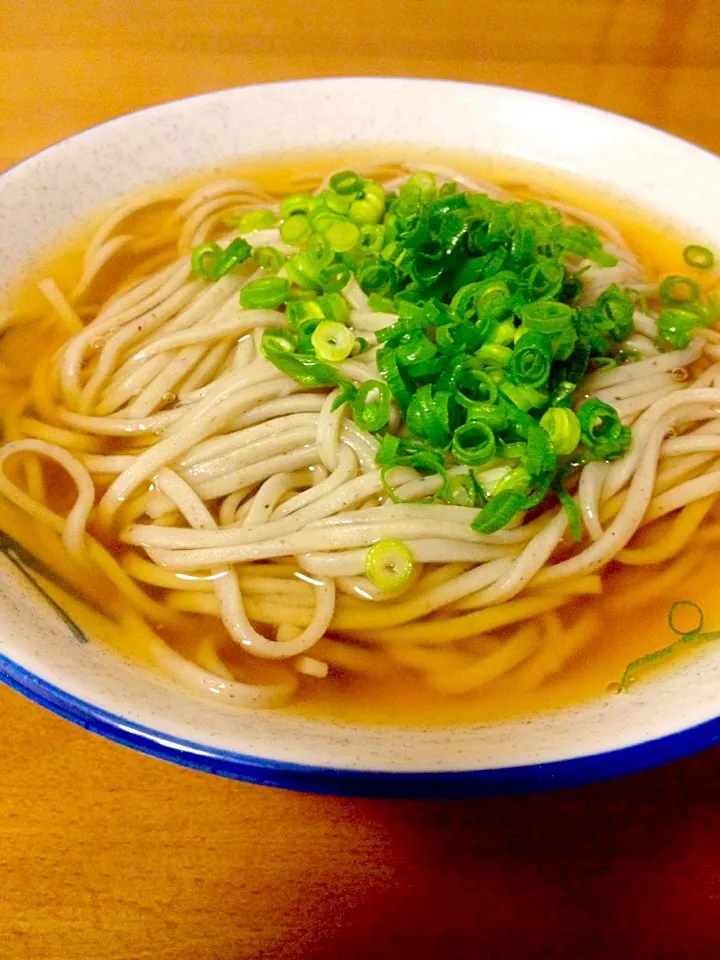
x: 109, y: 855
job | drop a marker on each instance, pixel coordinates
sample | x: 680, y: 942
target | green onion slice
x: 269, y: 258
x: 531, y: 360
x: 295, y: 229
x: 265, y: 293
x: 473, y: 443
x: 345, y: 182
x: 461, y: 491
x: 371, y: 406
x: 203, y: 260
x: 599, y: 422
x: 678, y: 290
x: 698, y: 257
x: 333, y: 341
x: 499, y: 511
x: 563, y: 428
x: 251, y: 220
x: 389, y: 565
x: 296, y: 203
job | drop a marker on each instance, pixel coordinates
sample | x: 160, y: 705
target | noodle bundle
x: 270, y: 466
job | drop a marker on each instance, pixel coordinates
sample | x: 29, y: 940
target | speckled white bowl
x: 43, y: 658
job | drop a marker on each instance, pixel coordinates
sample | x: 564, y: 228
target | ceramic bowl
x: 42, y: 656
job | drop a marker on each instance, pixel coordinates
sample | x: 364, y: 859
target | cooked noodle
x: 236, y: 493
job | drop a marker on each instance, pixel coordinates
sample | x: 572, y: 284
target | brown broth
x: 631, y: 619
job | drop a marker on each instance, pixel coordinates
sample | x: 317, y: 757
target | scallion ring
x: 563, y: 428
x: 473, y: 443
x: 332, y: 341
x: 678, y: 290
x: 389, y: 565
x: 701, y: 258
x: 265, y: 293
x: 371, y: 406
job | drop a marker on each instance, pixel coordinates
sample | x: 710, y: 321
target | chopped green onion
x: 388, y: 450
x: 277, y: 340
x: 371, y: 406
x: 376, y: 276
x: 269, y: 258
x: 374, y: 192
x: 342, y: 235
x: 545, y: 280
x: 617, y: 309
x: 583, y: 241
x: 301, y: 270
x: 531, y: 360
x: 547, y: 317
x: 381, y: 304
x: 365, y: 212
x: 563, y: 393
x: 523, y: 397
x: 461, y: 491
x: 489, y: 478
x: 490, y: 413
x: 674, y: 614
x: 305, y: 369
x: 563, y: 428
x: 462, y: 305
x: 698, y: 257
x: 493, y: 302
x: 473, y: 443
x: 333, y: 342
x: 572, y: 512
x: 424, y: 181
x: 369, y: 207
x: 675, y: 327
x: 334, y: 277
x: 371, y: 238
x: 539, y: 459
x: 388, y: 367
x: 599, y: 422
x: 686, y: 638
x: 210, y: 262
x: 265, y: 293
x: 495, y: 353
x: 416, y: 348
x: 346, y: 394
x: 504, y: 333
x: 252, y: 220
x: 485, y: 353
x: 334, y: 202
x: 518, y: 479
x: 473, y: 386
x: 234, y: 254
x: 296, y: 203
x: 428, y: 416
x: 299, y: 311
x: 318, y: 252
x: 345, y: 182
x: 499, y: 511
x: 334, y: 307
x: 203, y: 260
x: 389, y: 565
x: 678, y: 290
x: 295, y: 229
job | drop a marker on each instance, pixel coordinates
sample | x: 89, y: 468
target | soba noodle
x: 211, y: 487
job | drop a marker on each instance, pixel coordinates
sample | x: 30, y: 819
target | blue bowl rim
x: 527, y: 778
x: 522, y: 779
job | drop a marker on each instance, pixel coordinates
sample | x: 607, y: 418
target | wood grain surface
x: 109, y: 855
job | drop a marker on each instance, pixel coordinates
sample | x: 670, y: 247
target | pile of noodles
x: 229, y: 490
